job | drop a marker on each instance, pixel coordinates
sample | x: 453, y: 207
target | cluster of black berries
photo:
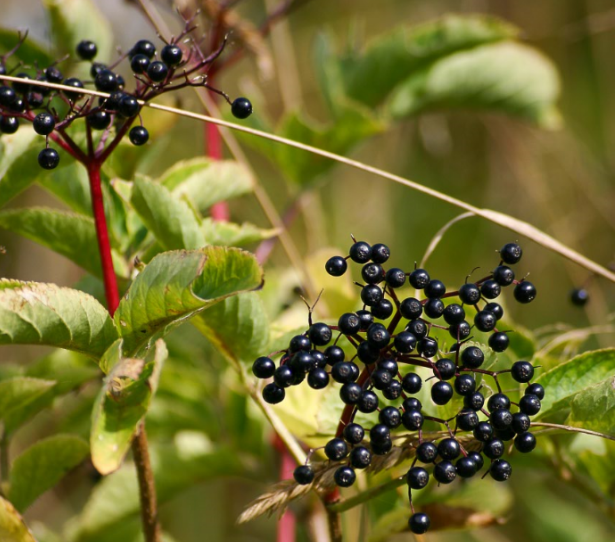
x: 172, y: 68
x: 389, y: 336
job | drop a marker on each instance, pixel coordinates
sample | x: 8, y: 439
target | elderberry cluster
x: 389, y: 336
x: 179, y: 64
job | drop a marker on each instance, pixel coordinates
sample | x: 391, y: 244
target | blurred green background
x: 559, y: 180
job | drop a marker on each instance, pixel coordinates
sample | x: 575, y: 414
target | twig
x: 347, y: 504
x: 147, y: 489
x: 572, y: 429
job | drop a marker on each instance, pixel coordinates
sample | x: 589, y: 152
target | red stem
x: 102, y: 234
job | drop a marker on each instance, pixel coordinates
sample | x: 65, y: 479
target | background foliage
x: 510, y: 110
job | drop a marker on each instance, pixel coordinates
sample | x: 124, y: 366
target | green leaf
x: 170, y: 219
x: 564, y: 382
x: 68, y: 234
x: 122, y: 403
x: 46, y: 314
x: 593, y: 408
x: 12, y: 526
x: 18, y: 162
x: 176, y: 285
x: 237, y: 326
x: 204, y: 182
x: 228, y: 234
x: 17, y: 393
x: 370, y: 75
x: 42, y: 466
x: 69, y: 183
x: 504, y: 77
x: 30, y: 52
x: 75, y: 20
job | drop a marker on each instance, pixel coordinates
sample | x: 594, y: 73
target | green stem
x: 347, y: 504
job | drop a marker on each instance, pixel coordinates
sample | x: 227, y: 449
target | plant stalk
x: 147, y: 489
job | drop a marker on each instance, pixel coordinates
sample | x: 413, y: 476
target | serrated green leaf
x: 17, y: 393
x: 237, y: 326
x: 228, y: 234
x: 69, y: 183
x: 564, y: 382
x: 387, y: 60
x: 69, y: 234
x: 205, y: 182
x: 177, y: 285
x: 12, y: 526
x: 122, y: 403
x: 593, y: 408
x: 18, y: 162
x: 170, y: 219
x: 46, y: 314
x: 75, y: 20
x: 42, y: 466
x: 504, y: 77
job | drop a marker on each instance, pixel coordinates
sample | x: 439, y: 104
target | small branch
x: 572, y: 429
x: 347, y: 504
x: 147, y: 489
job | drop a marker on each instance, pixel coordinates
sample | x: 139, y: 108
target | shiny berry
x: 495, y: 309
x: 419, y: 523
x: 441, y: 392
x: 466, y: 467
x: 367, y: 402
x: 143, y: 47
x: 106, y: 81
x: 413, y: 420
x: 525, y: 442
x: 157, y: 71
x: 9, y: 125
x: 427, y: 347
x: 419, y: 279
x: 530, y: 404
x: 75, y: 83
x: 320, y: 334
x: 579, y: 297
x: 467, y: 420
x: 372, y: 273
x: 318, y: 379
x: 405, y: 342
x: 445, y: 369
x: 520, y: 422
x: 171, y: 55
x: 360, y: 252
x: 86, y: 50
x: 353, y: 433
x: 483, y: 432
x: 435, y: 289
x: 380, y: 253
x: 349, y: 323
x: 383, y: 309
x: 417, y: 328
x: 426, y: 452
x: 263, y: 367
x: 472, y: 357
x: 336, y: 449
x: 365, y: 319
x: 139, y: 64
x: 303, y: 475
x: 241, y: 108
x: 360, y: 457
x: 138, y: 135
x: 53, y: 75
x: 368, y: 353
x: 273, y: 394
x: 464, y: 384
x: 48, y: 158
x: 417, y: 478
x: 411, y: 383
x: 99, y: 119
x: 380, y: 434
x: 460, y: 331
x: 511, y: 253
x: 334, y: 354
x: 390, y: 416
x: 128, y: 106
x: 474, y: 400
x: 350, y: 393
x: 395, y: 277
x: 448, y: 448
x: 485, y: 321
x: 444, y: 472
x: 283, y: 376
x: 434, y: 308
x: 498, y: 341
x: 411, y: 308
x: 498, y: 401
x: 469, y: 294
x: 371, y: 294
x: 501, y: 419
x: 490, y: 289
x: 535, y: 389
x: 344, y: 476
x: 503, y: 275
x: 336, y: 266
x: 500, y: 470
x: 525, y: 292
x: 342, y: 372
x: 522, y: 371
x: 393, y: 391
x: 494, y: 449
x: 454, y: 314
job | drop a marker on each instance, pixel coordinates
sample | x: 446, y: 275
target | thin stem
x: 147, y: 490
x: 573, y: 429
x: 347, y: 504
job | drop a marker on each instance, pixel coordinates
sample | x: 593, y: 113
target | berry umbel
x: 393, y: 347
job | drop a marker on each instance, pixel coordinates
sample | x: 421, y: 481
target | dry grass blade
x: 517, y: 226
x: 439, y: 236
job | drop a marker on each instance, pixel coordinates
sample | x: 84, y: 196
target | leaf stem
x: 572, y: 429
x: 147, y: 489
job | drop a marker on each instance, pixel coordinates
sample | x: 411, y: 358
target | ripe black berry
x: 495, y: 309
x: 445, y: 369
x: 318, y: 379
x: 303, y: 475
x: 464, y: 384
x: 434, y: 308
x: 412, y: 419
x: 579, y: 297
x: 349, y: 323
x: 500, y: 470
x: 139, y: 64
x: 501, y: 419
x: 460, y: 331
x: 301, y: 362
x: 273, y: 394
x: 441, y: 392
x: 535, y: 389
x: 96, y: 68
x: 372, y: 273
x: 367, y: 402
x: 530, y: 404
x: 469, y: 294
x: 7, y: 96
x: 157, y: 71
x: 9, y: 125
x: 336, y: 266
x: 320, y: 334
x: 138, y: 135
x: 389, y: 365
x: 498, y: 341
x: 350, y: 393
x: 48, y: 158
x: 449, y: 448
x: 360, y: 457
x: 485, y: 321
x: 99, y: 119
x: 476, y: 457
x: 371, y: 294
x: 299, y: 342
x: 427, y: 347
x: 390, y: 416
x: 426, y: 452
x: 522, y: 371
x: 395, y: 277
x: 360, y: 252
x: 467, y: 420
x: 405, y: 342
x: 343, y: 372
x: 525, y: 292
x: 378, y: 336
x: 490, y: 289
x: 263, y: 367
x: 380, y: 253
x: 511, y: 253
x: 417, y: 478
x: 241, y: 108
x: 411, y: 403
x: 383, y: 309
x: 466, y: 467
x: 503, y: 275
x: 411, y: 383
x: 472, y: 357
x: 283, y: 376
x: 171, y: 55
x: 494, y: 449
x: 417, y: 328
x: 22, y: 88
x: 434, y: 289
x: 381, y: 378
x: 353, y: 433
x: 474, y: 400
x: 525, y: 442
x: 334, y: 354
x: 368, y: 353
x: 419, y: 279
x: 86, y: 50
x: 336, y: 449
x: 128, y: 106
x: 483, y: 432
x: 75, y: 83
x: 365, y: 319
x: 419, y: 523
x: 411, y: 308
x: 520, y: 422
x: 382, y: 448
x: 379, y: 434
x: 106, y: 81
x: 143, y: 47
x: 498, y: 401
x: 344, y: 476
x: 454, y: 314
x: 444, y: 472
x: 53, y: 75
